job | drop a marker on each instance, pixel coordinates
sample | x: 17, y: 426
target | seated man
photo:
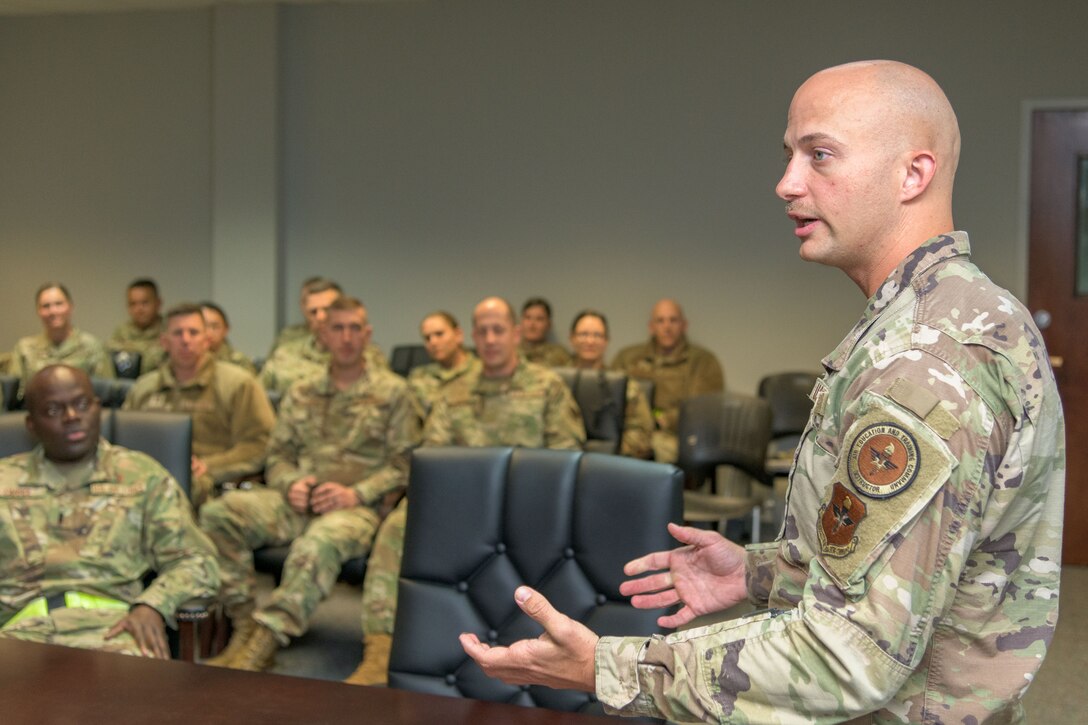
x: 142, y: 332
x: 536, y: 323
x: 82, y: 522
x: 445, y: 343
x: 507, y: 402
x: 302, y: 331
x: 337, y: 461
x: 217, y: 327
x: 231, y: 413
x: 306, y: 356
x: 679, y: 369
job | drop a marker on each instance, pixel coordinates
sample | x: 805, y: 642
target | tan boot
x: 259, y: 651
x: 374, y: 669
x: 243, y: 624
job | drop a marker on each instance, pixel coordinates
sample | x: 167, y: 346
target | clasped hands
x: 704, y: 575
x: 307, y: 495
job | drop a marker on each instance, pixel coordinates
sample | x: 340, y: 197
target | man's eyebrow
x: 818, y: 137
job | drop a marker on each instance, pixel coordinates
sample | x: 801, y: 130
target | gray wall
x: 600, y: 154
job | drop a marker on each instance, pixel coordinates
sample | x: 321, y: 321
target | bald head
x: 63, y: 413
x: 667, y: 325
x: 494, y: 304
x: 496, y: 334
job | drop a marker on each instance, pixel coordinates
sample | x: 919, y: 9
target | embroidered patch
x: 839, y: 519
x: 115, y: 489
x: 22, y: 492
x: 883, y: 460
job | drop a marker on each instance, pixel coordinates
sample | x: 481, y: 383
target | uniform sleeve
x: 438, y: 430
x: 180, y: 553
x: 707, y: 375
x: 886, y: 573
x: 563, y: 426
x: 102, y: 363
x: 638, y: 423
x: 401, y: 436
x: 251, y: 421
x: 284, y: 447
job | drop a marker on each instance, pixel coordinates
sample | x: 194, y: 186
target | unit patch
x: 883, y: 460
x: 839, y: 519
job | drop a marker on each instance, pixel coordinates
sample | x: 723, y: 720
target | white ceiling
x: 43, y: 7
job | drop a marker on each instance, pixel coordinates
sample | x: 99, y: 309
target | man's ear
x: 921, y: 168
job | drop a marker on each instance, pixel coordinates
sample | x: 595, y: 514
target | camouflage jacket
x: 130, y: 338
x: 80, y: 350
x: 303, y: 358
x: 638, y: 424
x: 100, y: 533
x: 687, y: 371
x: 548, y: 354
x: 427, y: 381
x: 916, y: 575
x: 360, y: 437
x: 532, y: 408
x: 229, y: 354
x: 231, y: 414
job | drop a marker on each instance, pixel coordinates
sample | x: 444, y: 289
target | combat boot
x: 243, y: 624
x: 374, y: 669
x: 259, y: 651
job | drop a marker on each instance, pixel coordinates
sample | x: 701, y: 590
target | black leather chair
x: 602, y: 397
x: 9, y: 384
x: 126, y: 364
x: 483, y: 520
x: 787, y: 394
x: 406, y: 357
x: 725, y: 429
x: 270, y: 560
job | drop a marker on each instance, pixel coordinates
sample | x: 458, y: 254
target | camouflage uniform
x: 228, y: 354
x: 548, y: 354
x: 305, y: 358
x: 427, y: 381
x: 289, y: 334
x: 231, y: 417
x: 130, y: 338
x: 916, y: 575
x: 80, y: 350
x: 532, y: 408
x: 360, y: 437
x: 687, y: 371
x: 97, y: 529
x: 638, y: 424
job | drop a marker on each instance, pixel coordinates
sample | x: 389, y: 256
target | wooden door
x: 1058, y: 291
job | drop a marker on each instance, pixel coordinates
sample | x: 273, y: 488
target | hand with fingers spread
x: 705, y: 575
x: 562, y: 657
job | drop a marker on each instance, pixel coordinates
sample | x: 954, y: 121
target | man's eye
x: 819, y: 155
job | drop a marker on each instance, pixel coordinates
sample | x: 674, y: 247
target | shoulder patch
x: 883, y: 460
x: 839, y: 520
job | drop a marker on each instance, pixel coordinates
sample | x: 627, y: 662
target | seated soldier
x: 679, y: 369
x: 445, y: 343
x: 231, y: 413
x: 302, y: 331
x: 82, y: 522
x: 337, y: 462
x: 142, y: 332
x: 306, y: 356
x: 506, y: 402
x: 59, y: 342
x: 536, y: 323
x: 217, y: 327
x: 589, y: 340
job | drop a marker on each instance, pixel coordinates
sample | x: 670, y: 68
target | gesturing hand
x: 146, y: 627
x: 706, y: 575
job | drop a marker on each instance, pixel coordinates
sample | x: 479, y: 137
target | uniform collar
x: 205, y: 371
x: 912, y: 271
x: 42, y: 470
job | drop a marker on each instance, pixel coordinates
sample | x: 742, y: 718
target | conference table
x: 45, y: 684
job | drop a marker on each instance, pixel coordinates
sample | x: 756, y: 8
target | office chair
x: 602, y: 397
x: 483, y: 520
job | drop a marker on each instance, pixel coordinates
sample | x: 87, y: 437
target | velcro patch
x: 22, y: 492
x: 115, y: 489
x: 839, y: 520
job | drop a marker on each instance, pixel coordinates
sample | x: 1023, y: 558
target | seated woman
x: 444, y: 340
x: 59, y: 343
x: 589, y: 341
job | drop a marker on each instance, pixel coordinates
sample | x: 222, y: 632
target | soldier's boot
x: 259, y: 651
x: 243, y: 625
x: 374, y: 669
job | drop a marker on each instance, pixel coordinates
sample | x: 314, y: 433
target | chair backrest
x: 484, y: 520
x: 9, y: 384
x: 723, y: 429
x: 166, y: 437
x: 788, y: 394
x: 126, y: 364
x: 602, y: 397
x: 406, y: 357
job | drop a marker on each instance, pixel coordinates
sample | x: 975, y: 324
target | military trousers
x: 74, y: 627
x: 240, y: 521
x: 382, y: 573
